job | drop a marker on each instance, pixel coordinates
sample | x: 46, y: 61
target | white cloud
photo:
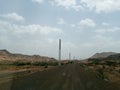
x: 105, y: 24
x: 61, y: 21
x: 102, y: 5
x: 77, y: 7
x: 73, y: 25
x: 13, y: 16
x: 29, y: 39
x: 105, y: 42
x: 38, y: 1
x: 97, y: 5
x: 102, y: 38
x: 101, y: 43
x: 87, y: 23
x: 67, y: 4
x: 68, y: 45
x: 30, y: 30
x: 108, y: 30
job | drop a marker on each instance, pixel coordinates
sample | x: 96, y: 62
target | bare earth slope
x: 10, y: 57
x: 103, y: 54
x: 68, y: 77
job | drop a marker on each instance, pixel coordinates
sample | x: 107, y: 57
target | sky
x: 85, y: 27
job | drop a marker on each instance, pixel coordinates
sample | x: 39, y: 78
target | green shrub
x: 101, y: 74
x: 46, y: 64
x: 111, y: 63
x: 52, y: 63
x: 16, y: 63
x: 39, y: 63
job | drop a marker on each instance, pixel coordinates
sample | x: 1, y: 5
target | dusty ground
x: 112, y: 72
x: 67, y: 77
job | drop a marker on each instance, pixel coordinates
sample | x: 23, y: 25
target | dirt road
x: 68, y: 77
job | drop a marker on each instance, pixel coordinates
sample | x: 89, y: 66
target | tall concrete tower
x: 59, y: 52
x: 69, y: 56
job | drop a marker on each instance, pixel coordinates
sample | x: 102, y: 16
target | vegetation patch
x: 101, y: 74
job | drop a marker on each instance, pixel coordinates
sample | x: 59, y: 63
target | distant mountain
x: 4, y: 52
x: 7, y: 56
x: 102, y: 55
x: 106, y: 56
x: 113, y: 57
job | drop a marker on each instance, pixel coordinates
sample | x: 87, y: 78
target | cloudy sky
x: 84, y: 26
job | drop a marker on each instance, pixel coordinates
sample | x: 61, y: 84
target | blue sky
x: 35, y: 26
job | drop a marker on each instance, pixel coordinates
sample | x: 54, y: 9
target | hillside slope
x: 103, y: 54
x: 7, y: 56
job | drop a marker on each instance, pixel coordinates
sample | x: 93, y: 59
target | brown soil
x: 67, y: 77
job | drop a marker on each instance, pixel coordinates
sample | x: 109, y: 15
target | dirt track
x: 68, y: 77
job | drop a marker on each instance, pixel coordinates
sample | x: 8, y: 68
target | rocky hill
x: 7, y: 56
x: 114, y: 57
x: 102, y: 55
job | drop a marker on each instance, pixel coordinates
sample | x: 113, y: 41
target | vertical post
x: 69, y: 56
x: 59, y: 52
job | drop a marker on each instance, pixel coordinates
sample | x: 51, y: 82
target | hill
x: 102, y: 55
x: 112, y: 58
x: 10, y: 57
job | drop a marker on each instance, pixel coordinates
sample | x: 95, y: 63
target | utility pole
x: 69, y: 56
x: 59, y: 52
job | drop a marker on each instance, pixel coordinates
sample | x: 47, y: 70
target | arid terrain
x: 8, y: 57
x: 66, y: 77
x: 107, y: 66
x: 91, y: 74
